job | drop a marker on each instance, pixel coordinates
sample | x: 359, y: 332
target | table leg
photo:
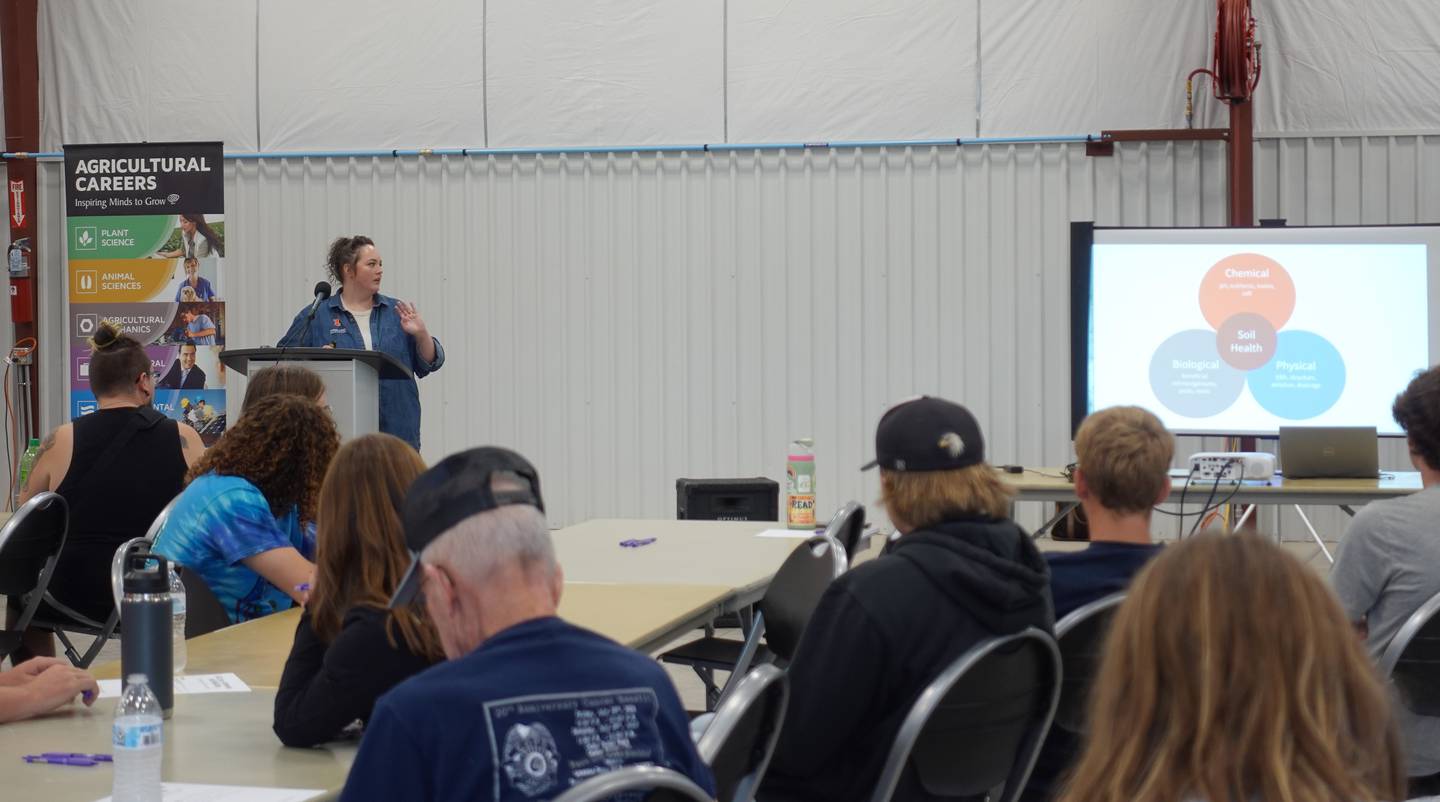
x: 1065, y: 508
x: 1244, y: 516
x: 1314, y: 534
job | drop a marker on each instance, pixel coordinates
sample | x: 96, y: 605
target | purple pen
x: 98, y: 758
x: 60, y: 761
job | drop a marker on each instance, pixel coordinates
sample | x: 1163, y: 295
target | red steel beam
x: 20, y: 71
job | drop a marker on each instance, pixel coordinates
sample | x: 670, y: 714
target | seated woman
x: 283, y: 379
x: 1231, y: 674
x: 117, y: 468
x: 242, y: 522
x: 37, y: 686
x: 349, y: 649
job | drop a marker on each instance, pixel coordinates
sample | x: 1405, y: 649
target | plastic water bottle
x: 177, y: 616
x: 137, y: 742
x: 27, y: 464
x: 800, y: 485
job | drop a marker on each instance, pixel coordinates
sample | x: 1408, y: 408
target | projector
x: 1231, y: 466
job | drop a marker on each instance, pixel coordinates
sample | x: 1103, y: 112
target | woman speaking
x: 358, y: 316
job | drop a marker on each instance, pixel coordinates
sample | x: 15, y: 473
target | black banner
x: 143, y: 179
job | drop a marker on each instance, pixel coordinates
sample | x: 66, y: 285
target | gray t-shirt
x: 1389, y: 565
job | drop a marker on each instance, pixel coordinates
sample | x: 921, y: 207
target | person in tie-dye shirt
x: 245, y: 521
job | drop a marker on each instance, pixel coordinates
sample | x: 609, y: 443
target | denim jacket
x: 399, y: 398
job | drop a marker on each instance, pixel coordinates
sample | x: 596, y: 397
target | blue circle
x: 1189, y: 377
x: 1304, y: 379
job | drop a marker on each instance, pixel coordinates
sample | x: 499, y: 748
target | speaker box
x: 755, y: 499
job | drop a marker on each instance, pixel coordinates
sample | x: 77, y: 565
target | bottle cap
x: 136, y: 679
x: 147, y: 573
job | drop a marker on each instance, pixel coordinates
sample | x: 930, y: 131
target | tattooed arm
x: 52, y: 462
x: 191, y: 446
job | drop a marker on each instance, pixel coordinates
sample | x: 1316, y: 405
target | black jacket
x: 326, y: 688
x: 885, y: 630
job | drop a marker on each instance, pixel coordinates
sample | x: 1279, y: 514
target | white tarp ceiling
x: 809, y: 70
x: 351, y: 74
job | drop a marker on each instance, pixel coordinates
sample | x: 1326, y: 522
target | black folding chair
x: 661, y: 783
x: 203, y: 611
x: 978, y: 726
x: 1412, y: 660
x: 30, y: 545
x: 1081, y: 637
x: 741, y: 738
x: 780, y: 618
x: 848, y: 527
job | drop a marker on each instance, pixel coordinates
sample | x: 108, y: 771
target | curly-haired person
x: 245, y: 521
x: 1389, y: 563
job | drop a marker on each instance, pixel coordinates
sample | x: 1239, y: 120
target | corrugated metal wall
x: 628, y: 320
x: 1347, y: 180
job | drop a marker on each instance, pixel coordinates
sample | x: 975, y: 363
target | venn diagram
x: 1247, y: 299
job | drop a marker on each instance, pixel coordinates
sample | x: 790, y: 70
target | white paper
x: 187, y: 684
x: 798, y: 534
x: 190, y: 792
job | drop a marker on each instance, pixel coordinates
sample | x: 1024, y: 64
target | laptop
x: 1329, y: 452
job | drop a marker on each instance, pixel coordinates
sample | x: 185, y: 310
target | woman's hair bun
x: 106, y: 335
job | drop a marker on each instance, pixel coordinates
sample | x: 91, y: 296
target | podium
x: 351, y: 376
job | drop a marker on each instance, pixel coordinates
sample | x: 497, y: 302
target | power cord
x: 1180, y: 516
x: 22, y: 348
x: 1207, y: 507
x: 1195, y: 527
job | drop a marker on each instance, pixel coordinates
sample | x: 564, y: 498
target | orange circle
x: 1247, y: 283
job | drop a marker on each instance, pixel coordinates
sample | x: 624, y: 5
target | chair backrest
x: 848, y: 526
x: 135, y: 545
x: 797, y: 588
x: 662, y: 783
x: 1081, y: 637
x: 30, y: 542
x: 1412, y: 660
x: 979, y: 724
x: 159, y: 522
x: 203, y: 611
x: 740, y: 740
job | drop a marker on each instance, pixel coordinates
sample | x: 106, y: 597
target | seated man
x: 960, y: 572
x: 1388, y: 561
x: 1122, y: 471
x: 527, y: 705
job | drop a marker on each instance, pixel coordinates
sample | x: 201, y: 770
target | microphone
x: 322, y: 292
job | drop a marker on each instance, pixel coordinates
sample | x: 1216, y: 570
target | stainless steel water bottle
x: 145, y: 626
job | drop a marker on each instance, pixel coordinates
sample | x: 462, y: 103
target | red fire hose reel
x: 1236, y: 69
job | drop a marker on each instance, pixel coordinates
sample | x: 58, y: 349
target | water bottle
x: 177, y: 618
x: 146, y: 618
x: 137, y: 742
x: 800, y: 485
x: 27, y: 464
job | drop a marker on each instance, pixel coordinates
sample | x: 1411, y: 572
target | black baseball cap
x: 460, y: 486
x: 927, y: 434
